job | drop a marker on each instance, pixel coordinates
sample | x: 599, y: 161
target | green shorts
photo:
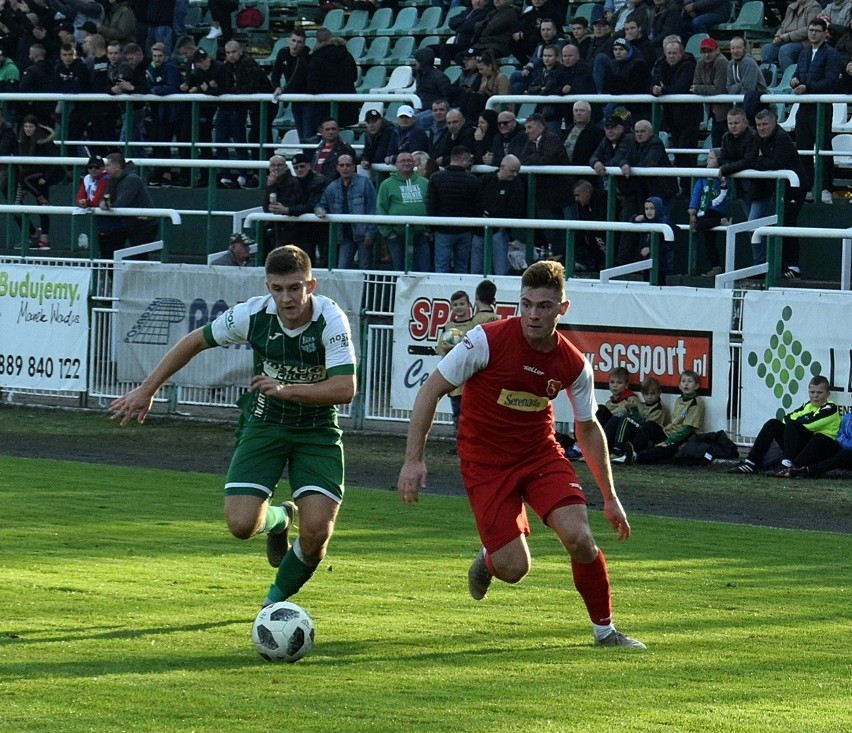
x: 313, y: 458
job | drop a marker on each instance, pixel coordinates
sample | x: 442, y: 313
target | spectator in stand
x: 545, y: 147
x: 589, y: 246
x: 673, y: 74
x: 614, y: 151
x: 164, y: 79
x: 430, y: 84
x: 453, y: 193
x: 102, y: 117
x: 206, y: 77
x: 511, y: 139
x: 404, y: 193
x: 578, y: 80
x: 600, y: 51
x: 10, y: 75
x: 583, y: 136
x: 700, y: 16
x: 159, y: 21
x: 8, y: 146
x: 464, y: 91
x: 492, y: 80
x: 332, y: 70
x: 37, y: 140
x: 463, y: 25
x: 529, y: 35
x: 79, y: 13
x: 640, y: 249
x: 437, y: 131
x: 484, y: 133
x: 711, y: 73
x: 648, y: 151
x: 220, y: 14
x: 120, y: 23
x: 290, y: 76
x: 838, y: 15
x: 460, y: 134
x: 581, y: 36
x: 494, y: 32
x: 350, y: 193
x: 92, y: 190
x: 131, y: 79
x: 634, y: 31
x: 739, y: 153
x: 519, y: 80
x: 665, y: 21
x: 549, y: 79
x: 502, y: 195
x: 789, y: 39
x: 708, y: 208
x: 844, y: 48
x: 238, y: 253
x: 126, y: 191
x: 71, y: 76
x: 241, y: 75
x: 806, y: 436
x: 330, y: 148
x: 37, y: 79
x: 627, y: 73
x: 777, y: 152
x: 744, y: 77
x: 817, y: 72
x: 407, y: 135
x: 293, y: 196
x: 376, y: 139
x: 635, y: 9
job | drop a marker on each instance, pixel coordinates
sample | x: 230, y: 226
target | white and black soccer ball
x: 283, y: 632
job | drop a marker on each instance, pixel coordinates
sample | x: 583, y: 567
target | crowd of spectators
x: 625, y: 47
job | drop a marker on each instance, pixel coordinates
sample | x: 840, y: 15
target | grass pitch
x: 128, y: 607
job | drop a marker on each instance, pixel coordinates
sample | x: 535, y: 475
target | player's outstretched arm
x: 592, y: 441
x: 412, y: 475
x: 336, y: 390
x: 137, y: 402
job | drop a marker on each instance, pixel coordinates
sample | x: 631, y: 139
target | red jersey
x: 507, y: 409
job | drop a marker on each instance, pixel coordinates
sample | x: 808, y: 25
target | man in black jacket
x: 739, y: 153
x: 460, y: 133
x: 452, y: 193
x: 37, y: 79
x: 332, y: 70
x: 376, y: 139
x: 511, y: 139
x: 290, y: 76
x: 502, y: 195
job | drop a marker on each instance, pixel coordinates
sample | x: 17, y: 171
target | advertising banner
x: 788, y: 338
x: 160, y: 303
x: 653, y: 332
x: 44, y: 327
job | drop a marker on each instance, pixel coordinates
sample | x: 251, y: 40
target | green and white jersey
x: 320, y: 349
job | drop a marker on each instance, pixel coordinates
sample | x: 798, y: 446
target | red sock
x: 592, y: 582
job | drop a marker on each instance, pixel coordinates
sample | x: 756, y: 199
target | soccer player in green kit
x: 304, y: 365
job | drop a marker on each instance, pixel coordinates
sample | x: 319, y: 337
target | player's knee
x: 314, y: 541
x: 513, y: 570
x: 242, y: 528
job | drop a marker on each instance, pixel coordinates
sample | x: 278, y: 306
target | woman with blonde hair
x: 493, y: 81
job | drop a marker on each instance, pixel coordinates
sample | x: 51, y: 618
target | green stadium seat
x: 374, y: 76
x: 749, y: 23
x: 334, y: 20
x: 404, y: 23
x: 429, y: 21
x: 355, y: 23
x: 401, y: 52
x: 377, y: 52
x: 380, y: 22
x: 269, y: 60
x: 582, y: 11
x: 453, y: 73
x: 445, y: 29
x: 693, y: 45
x: 427, y: 41
x: 355, y: 46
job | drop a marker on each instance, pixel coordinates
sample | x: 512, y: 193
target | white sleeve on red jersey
x: 582, y: 394
x: 466, y: 358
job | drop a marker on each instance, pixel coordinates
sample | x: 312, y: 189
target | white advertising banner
x: 160, y: 303
x: 653, y: 332
x: 44, y: 327
x: 789, y: 337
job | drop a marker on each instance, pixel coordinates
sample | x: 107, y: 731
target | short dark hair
x: 287, y: 260
x: 538, y: 118
x: 620, y: 373
x: 580, y: 20
x: 486, y: 292
x: 767, y: 114
x: 459, y: 294
x: 820, y: 22
x: 545, y: 274
x: 820, y: 381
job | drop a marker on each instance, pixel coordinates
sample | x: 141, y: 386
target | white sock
x: 601, y: 632
x: 787, y: 463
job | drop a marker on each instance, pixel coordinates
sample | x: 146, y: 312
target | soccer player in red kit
x: 512, y: 370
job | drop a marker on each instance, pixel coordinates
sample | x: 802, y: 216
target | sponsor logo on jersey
x: 342, y: 338
x: 291, y: 374
x: 533, y: 369
x: 522, y: 401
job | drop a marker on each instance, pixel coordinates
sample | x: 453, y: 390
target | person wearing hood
x: 637, y: 247
x: 628, y: 73
x: 404, y: 193
x: 332, y: 70
x: 429, y: 84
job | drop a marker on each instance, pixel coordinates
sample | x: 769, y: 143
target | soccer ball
x: 283, y: 632
x: 452, y: 336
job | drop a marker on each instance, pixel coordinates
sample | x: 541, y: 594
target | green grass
x: 128, y: 607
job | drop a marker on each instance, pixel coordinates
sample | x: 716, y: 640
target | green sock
x: 276, y: 519
x: 293, y: 573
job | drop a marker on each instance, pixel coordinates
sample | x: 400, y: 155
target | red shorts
x: 497, y: 494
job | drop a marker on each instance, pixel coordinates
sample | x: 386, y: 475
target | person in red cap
x: 711, y: 74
